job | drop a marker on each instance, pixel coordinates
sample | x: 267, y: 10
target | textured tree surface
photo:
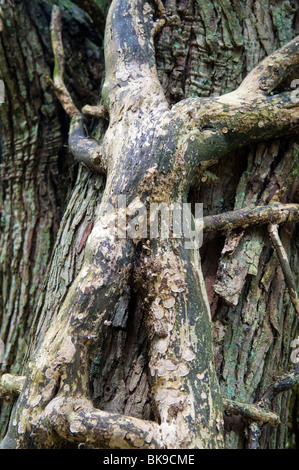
x: 136, y: 343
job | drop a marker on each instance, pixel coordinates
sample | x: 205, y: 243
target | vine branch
x: 59, y: 64
x: 252, y: 412
x: 258, y: 413
x: 110, y: 429
x: 247, y: 115
x: 11, y: 385
x: 271, y: 72
x: 283, y: 384
x: 259, y: 215
x: 86, y: 150
x: 285, y: 266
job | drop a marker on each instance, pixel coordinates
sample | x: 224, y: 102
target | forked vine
x: 149, y: 153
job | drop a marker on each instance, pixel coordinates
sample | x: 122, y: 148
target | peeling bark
x: 150, y: 152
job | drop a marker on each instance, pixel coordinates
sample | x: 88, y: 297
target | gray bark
x: 252, y: 316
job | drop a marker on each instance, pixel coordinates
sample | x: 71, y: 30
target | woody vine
x: 151, y: 152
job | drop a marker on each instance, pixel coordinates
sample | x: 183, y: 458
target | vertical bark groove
x: 207, y: 49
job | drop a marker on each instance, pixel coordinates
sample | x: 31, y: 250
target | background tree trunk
x: 37, y: 171
x: 207, y: 50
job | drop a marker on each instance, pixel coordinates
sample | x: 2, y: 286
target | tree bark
x: 37, y: 173
x: 107, y: 289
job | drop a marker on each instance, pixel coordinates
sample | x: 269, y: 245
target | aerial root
x: 86, y: 150
x: 273, y: 69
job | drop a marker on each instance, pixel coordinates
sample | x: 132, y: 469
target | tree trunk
x: 120, y: 352
x: 37, y: 172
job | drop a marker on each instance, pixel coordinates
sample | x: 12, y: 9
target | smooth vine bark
x: 151, y: 152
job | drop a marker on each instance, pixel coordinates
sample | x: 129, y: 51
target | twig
x: 284, y: 384
x: 276, y: 213
x: 104, y: 429
x: 284, y: 262
x: 252, y: 412
x: 58, y: 83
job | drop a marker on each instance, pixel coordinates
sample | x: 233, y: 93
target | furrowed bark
x: 151, y: 153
